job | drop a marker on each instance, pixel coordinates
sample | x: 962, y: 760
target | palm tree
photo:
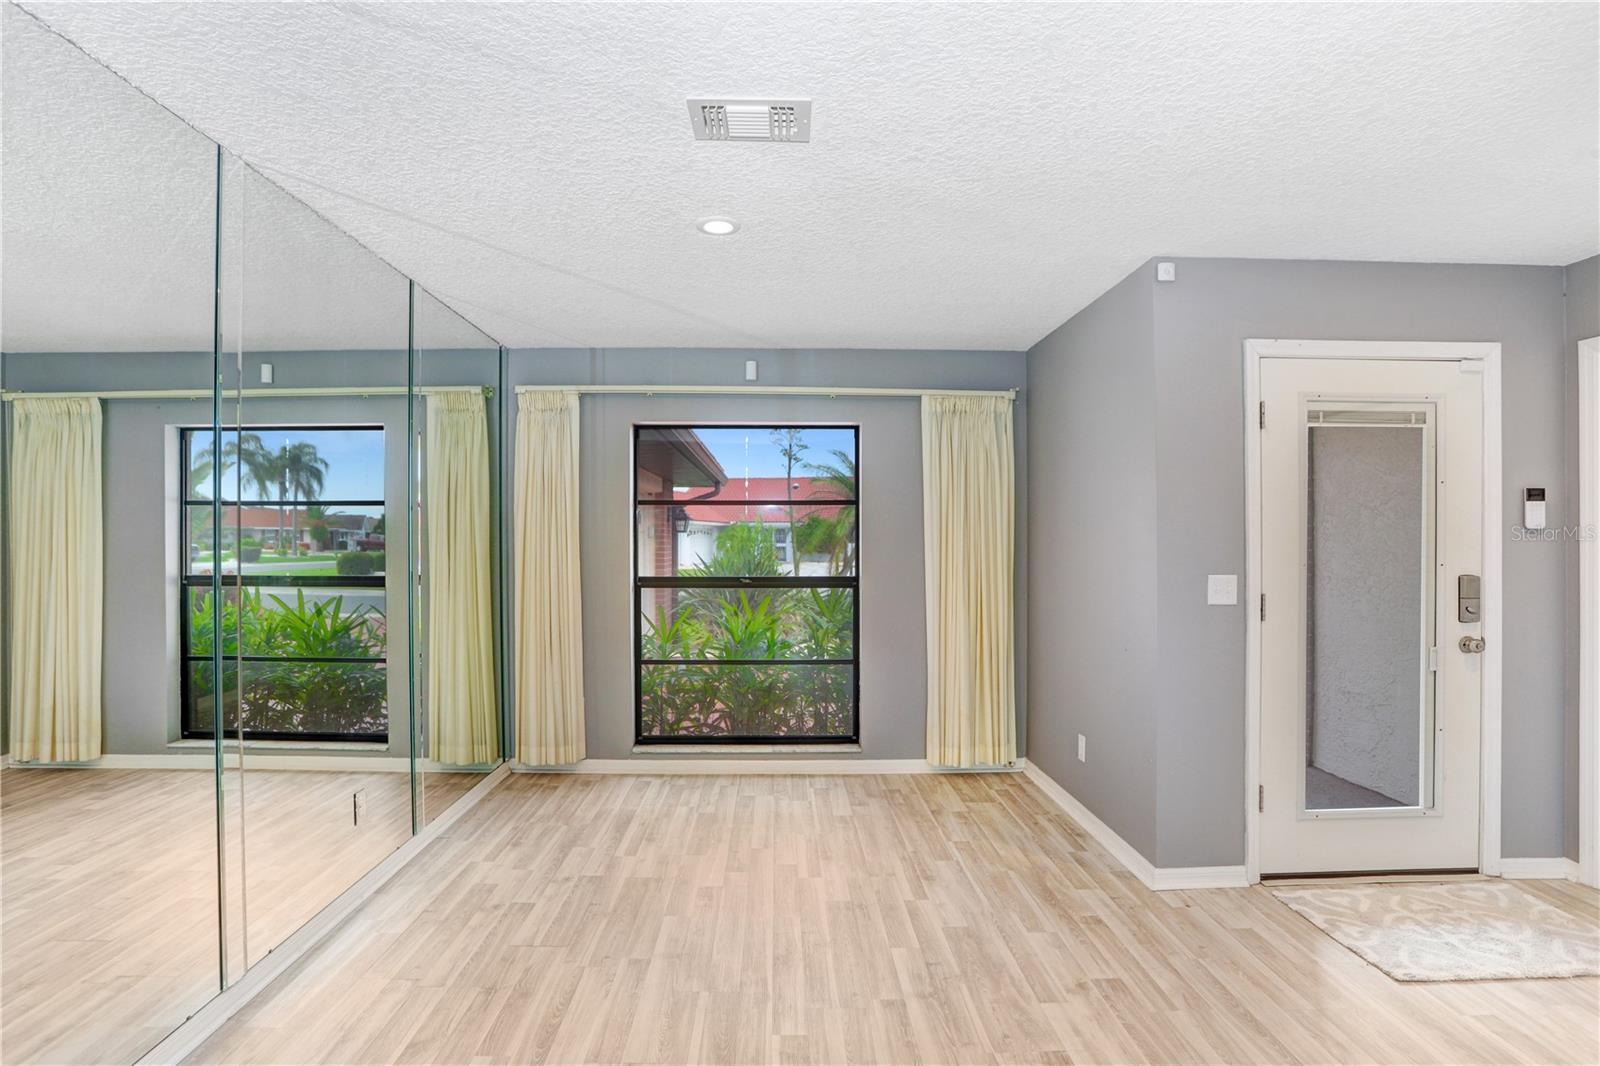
x: 300, y: 476
x: 836, y: 535
x: 791, y: 445
x: 256, y: 465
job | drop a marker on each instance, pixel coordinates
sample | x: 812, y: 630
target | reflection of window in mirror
x: 304, y: 615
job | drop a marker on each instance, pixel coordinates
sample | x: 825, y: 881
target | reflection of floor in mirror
x: 109, y: 918
x: 1329, y: 792
x: 441, y: 788
x: 950, y: 918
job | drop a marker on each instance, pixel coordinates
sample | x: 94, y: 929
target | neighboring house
x: 263, y: 524
x: 765, y: 501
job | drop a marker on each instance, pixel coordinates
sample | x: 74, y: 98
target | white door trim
x: 1589, y: 612
x: 1485, y: 353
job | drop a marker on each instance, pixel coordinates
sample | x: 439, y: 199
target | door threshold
x: 1371, y: 877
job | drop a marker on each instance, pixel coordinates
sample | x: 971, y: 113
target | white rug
x: 1461, y: 931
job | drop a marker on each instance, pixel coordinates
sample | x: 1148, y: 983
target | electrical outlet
x: 1083, y: 748
x: 358, y: 805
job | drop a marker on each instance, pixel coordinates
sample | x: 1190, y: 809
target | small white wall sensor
x: 1533, y: 509
x: 1166, y: 271
x: 266, y: 373
x: 749, y: 369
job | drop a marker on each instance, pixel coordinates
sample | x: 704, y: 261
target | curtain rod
x: 8, y: 395
x: 767, y: 390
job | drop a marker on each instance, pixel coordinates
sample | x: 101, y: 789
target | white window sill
x: 280, y: 745
x: 735, y: 751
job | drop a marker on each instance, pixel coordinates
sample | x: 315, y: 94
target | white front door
x: 1371, y: 554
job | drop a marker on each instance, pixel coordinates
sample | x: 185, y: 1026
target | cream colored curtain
x: 549, y: 614
x: 57, y: 589
x: 463, y: 726
x: 969, y: 523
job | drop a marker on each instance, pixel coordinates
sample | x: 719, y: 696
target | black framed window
x: 746, y: 584
x: 302, y: 561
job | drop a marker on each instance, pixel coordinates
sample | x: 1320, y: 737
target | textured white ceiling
x: 977, y: 173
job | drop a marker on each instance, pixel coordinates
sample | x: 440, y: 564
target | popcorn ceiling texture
x: 977, y: 173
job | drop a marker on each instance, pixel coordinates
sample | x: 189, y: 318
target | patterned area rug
x: 1462, y: 931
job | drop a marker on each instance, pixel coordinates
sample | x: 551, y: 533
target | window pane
x: 308, y: 541
x: 760, y: 623
x: 745, y: 540
x: 746, y: 463
x: 199, y: 482
x: 317, y: 623
x: 294, y: 699
x: 781, y: 700
x: 263, y: 463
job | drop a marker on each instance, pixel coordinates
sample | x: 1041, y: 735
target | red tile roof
x: 740, y: 490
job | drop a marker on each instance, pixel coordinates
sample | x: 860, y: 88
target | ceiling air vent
x: 750, y: 120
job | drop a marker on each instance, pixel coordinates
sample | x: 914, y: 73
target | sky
x: 355, y: 459
x: 751, y: 452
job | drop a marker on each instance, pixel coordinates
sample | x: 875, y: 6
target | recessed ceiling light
x: 718, y: 227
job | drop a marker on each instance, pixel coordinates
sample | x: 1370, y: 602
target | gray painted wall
x: 893, y: 647
x: 1092, y: 518
x: 1200, y: 323
x: 1366, y: 522
x: 1582, y: 322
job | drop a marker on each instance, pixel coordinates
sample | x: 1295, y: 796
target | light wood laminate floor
x: 108, y: 890
x: 850, y: 919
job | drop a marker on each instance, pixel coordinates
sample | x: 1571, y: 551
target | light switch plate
x: 1222, y: 590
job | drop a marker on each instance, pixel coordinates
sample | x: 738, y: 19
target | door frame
x: 1487, y: 355
x: 1589, y: 612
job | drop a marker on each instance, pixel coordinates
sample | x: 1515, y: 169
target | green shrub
x: 356, y: 564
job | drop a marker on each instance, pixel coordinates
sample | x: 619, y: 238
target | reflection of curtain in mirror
x: 969, y: 522
x: 463, y: 728
x: 57, y: 590
x: 549, y: 614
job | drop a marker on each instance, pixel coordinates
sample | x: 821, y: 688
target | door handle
x: 1471, y: 645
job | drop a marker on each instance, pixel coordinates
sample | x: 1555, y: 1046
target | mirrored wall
x: 252, y: 616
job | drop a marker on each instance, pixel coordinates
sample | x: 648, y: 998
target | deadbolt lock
x: 1469, y: 598
x: 1471, y: 645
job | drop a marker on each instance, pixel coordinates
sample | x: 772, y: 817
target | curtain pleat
x: 969, y: 524
x: 549, y: 607
x: 463, y: 723
x: 57, y: 580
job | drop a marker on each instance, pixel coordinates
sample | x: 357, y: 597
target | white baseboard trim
x: 673, y: 765
x: 204, y: 760
x: 1169, y: 879
x: 1181, y: 878
x: 1552, y: 869
x: 182, y: 1041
